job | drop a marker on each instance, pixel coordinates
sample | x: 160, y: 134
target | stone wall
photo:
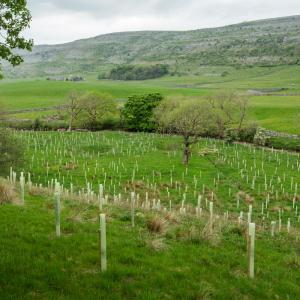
x: 262, y: 135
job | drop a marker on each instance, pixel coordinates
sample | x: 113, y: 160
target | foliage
x: 188, y: 118
x: 132, y: 72
x: 245, y: 134
x: 11, y: 151
x: 14, y: 18
x: 229, y: 109
x: 137, y: 113
x: 184, y: 116
x: 268, y: 111
x: 292, y: 144
x: 37, y: 124
x: 74, y: 107
x: 96, y: 108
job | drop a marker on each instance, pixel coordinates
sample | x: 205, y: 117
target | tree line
x: 134, y: 72
x: 222, y: 115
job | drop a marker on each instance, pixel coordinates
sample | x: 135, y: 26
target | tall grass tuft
x: 8, y: 193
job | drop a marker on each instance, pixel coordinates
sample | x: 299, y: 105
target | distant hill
x: 265, y: 42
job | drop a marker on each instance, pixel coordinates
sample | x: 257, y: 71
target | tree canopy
x: 186, y: 117
x: 138, y: 112
x: 229, y: 110
x: 132, y: 72
x: 11, y: 151
x: 14, y: 18
x: 96, y: 107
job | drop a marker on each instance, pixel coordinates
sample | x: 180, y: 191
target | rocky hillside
x: 264, y: 42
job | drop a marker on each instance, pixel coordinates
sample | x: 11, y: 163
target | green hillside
x: 278, y: 111
x: 167, y: 254
x: 265, y: 42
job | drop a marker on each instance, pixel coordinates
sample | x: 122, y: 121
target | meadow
x: 278, y: 111
x: 179, y: 248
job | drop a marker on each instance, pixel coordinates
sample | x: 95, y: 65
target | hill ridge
x: 272, y: 41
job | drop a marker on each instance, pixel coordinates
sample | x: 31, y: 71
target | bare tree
x: 74, y: 108
x: 229, y: 109
x: 186, y: 117
x: 242, y: 106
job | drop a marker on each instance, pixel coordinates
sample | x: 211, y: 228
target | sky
x: 60, y: 21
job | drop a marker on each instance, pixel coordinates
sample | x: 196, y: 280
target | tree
x: 96, y: 107
x: 14, y: 18
x: 138, y: 112
x: 229, y: 109
x: 242, y: 106
x: 11, y: 151
x: 136, y: 72
x: 186, y: 117
x: 74, y: 107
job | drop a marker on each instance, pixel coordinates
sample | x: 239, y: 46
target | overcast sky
x: 58, y: 21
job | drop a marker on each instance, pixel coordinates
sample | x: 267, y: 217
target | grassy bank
x: 181, y: 263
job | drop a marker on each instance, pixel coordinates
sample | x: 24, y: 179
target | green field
x: 76, y: 183
x: 183, y: 261
x: 276, y: 112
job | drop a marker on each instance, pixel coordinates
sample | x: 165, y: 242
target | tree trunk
x: 70, y: 124
x: 186, y: 150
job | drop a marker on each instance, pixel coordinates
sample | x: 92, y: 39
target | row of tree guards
x: 102, y: 218
x: 102, y: 228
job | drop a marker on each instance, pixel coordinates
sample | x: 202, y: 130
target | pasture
x: 278, y: 111
x: 204, y: 252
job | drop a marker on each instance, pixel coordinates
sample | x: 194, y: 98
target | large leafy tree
x: 14, y: 18
x: 138, y: 112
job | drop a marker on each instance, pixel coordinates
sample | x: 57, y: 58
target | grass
x: 283, y: 143
x: 277, y: 112
x: 141, y: 265
x: 274, y: 112
x: 180, y: 261
x: 149, y: 162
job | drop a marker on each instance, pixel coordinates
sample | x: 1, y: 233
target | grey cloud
x: 91, y: 17
x: 106, y: 8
